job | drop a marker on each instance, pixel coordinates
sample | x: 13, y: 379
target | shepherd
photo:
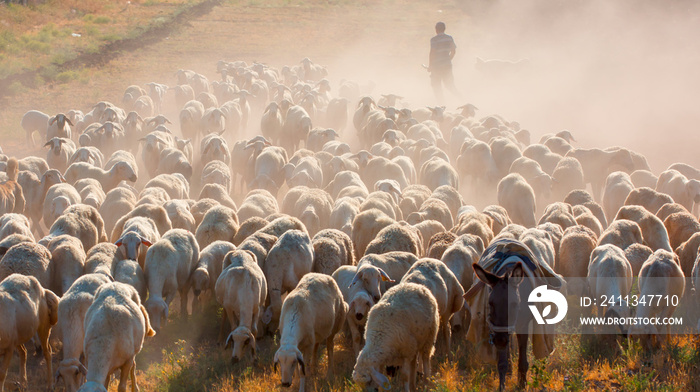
x: 442, y: 50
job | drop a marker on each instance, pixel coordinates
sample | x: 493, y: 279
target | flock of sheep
x: 337, y: 212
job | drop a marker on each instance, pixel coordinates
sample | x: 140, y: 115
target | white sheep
x: 683, y: 190
x: 179, y: 214
x: 108, y: 179
x: 311, y: 314
x: 242, y: 289
x: 447, y: 290
x: 115, y: 326
x: 60, y: 152
x: 176, y: 185
x: 518, y: 198
x: 209, y: 266
x: 68, y: 261
x: 118, y: 202
x: 660, y: 275
x: 34, y: 121
x: 71, y: 315
x: 377, y: 273
x: 27, y: 309
x: 137, y: 235
x: 287, y: 261
x: 610, y: 275
x: 654, y: 233
x: 169, y: 264
x: 130, y: 272
x: 257, y: 203
x: 401, y: 330
x: 219, y: 223
x: 59, y: 126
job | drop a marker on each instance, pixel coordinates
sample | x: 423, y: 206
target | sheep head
x: 241, y: 338
x: 287, y: 357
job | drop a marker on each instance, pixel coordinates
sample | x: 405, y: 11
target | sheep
x: 660, y: 275
x: 287, y: 261
x: 412, y: 198
x: 179, y: 214
x: 450, y: 195
x: 306, y: 171
x: 296, y: 127
x: 583, y: 198
x: 499, y: 217
x: 169, y: 264
x: 382, y: 201
x: 643, y: 178
x: 154, y: 212
x: 443, y: 284
x: 138, y: 233
x: 597, y: 165
x: 558, y: 213
x: 648, y: 198
x: 108, y: 179
x: 11, y: 195
x: 459, y: 257
x: 129, y: 272
x: 637, y: 254
x: 209, y: 266
x: 365, y: 227
x: 665, y: 210
x: 574, y: 255
x: 29, y: 259
x: 381, y: 168
x: 27, y: 309
x: 71, y: 314
x: 567, y: 176
x: 318, y: 137
x: 313, y: 208
x: 684, y: 191
x: 680, y: 226
x: 540, y: 181
x: 115, y: 326
x: 88, y: 154
x: 58, y: 198
x: 34, y: 190
x: 618, y: 186
x: 219, y: 223
x: 173, y: 161
x: 12, y: 223
x: 344, y: 211
x: 687, y: 253
x: 653, y: 231
x: 68, y: 261
x: 343, y: 180
x: 34, y: 121
x: 432, y: 209
x: 540, y: 244
x: 247, y: 228
x: 80, y: 221
x: 610, y: 275
x: 585, y: 217
x: 332, y: 248
x: 518, y: 198
x: 60, y: 152
x: 271, y: 122
x: 312, y: 313
x: 176, y: 185
x: 396, y: 237
x: 101, y: 259
x: 621, y: 233
x: 58, y: 128
x: 439, y: 240
x: 241, y: 289
x: 258, y: 202
x: 410, y: 312
x: 377, y: 273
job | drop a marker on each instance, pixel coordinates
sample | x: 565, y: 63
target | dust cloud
x: 612, y: 72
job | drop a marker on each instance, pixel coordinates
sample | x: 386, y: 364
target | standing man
x: 442, y: 50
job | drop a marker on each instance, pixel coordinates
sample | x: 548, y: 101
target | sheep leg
x: 134, y: 386
x: 314, y: 361
x: 223, y: 329
x: 446, y: 332
x: 22, y: 351
x: 522, y: 360
x: 425, y: 359
x: 183, y: 301
x: 124, y: 376
x: 356, y: 338
x: 409, y: 372
x: 5, y: 365
x: 44, y: 338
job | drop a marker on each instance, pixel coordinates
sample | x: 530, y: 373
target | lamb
x: 618, y: 186
x: 138, y: 233
x: 518, y: 198
x: 289, y: 259
x: 312, y: 313
x: 660, y: 275
x: 653, y: 231
x: 242, y: 289
x: 27, y: 309
x: 115, y: 326
x: 447, y: 290
x: 60, y: 152
x: 219, y: 223
x: 108, y: 179
x: 71, y: 314
x: 610, y: 275
x: 621, y: 233
x: 332, y: 248
x: 209, y: 266
x: 169, y: 264
x: 410, y: 312
x: 11, y: 195
x: 34, y: 121
x: 68, y: 261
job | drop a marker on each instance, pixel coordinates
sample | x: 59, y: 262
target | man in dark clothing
x: 442, y: 50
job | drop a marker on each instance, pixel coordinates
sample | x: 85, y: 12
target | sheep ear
x: 354, y: 280
x: 52, y: 304
x: 119, y: 242
x: 380, y: 379
x: 69, y: 122
x: 229, y: 341
x: 52, y: 120
x: 149, y: 329
x: 146, y: 242
x: 385, y: 277
x: 48, y: 144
